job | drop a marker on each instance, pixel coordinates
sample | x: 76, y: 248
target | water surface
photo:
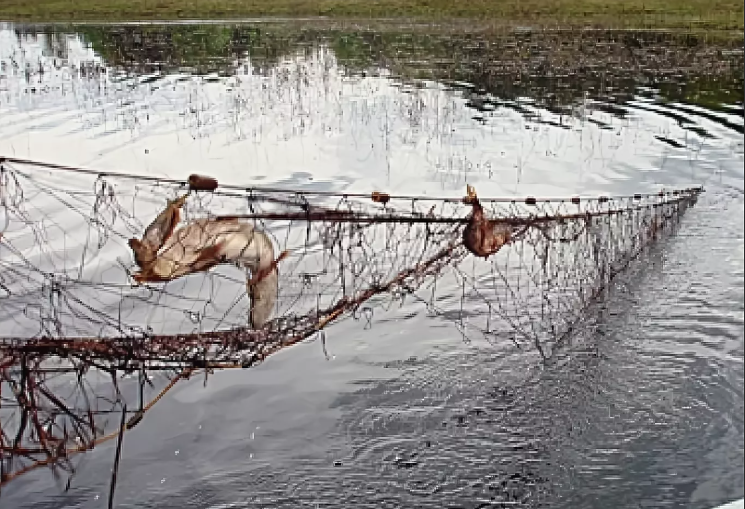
x: 645, y: 410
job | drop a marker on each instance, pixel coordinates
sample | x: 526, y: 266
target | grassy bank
x: 692, y: 15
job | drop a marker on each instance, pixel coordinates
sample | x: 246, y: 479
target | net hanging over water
x: 114, y: 287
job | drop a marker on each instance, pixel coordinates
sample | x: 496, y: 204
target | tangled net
x: 88, y: 321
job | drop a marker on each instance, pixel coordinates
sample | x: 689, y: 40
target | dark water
x: 643, y: 409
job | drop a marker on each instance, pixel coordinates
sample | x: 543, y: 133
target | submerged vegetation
x: 558, y: 69
x: 691, y: 15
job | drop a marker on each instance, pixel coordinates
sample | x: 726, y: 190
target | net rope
x: 85, y: 350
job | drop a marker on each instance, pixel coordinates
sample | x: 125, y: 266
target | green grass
x: 660, y: 14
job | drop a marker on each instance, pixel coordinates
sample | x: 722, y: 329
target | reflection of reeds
x: 317, y: 87
x: 556, y: 67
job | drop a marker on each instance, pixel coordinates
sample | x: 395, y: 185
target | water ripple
x: 644, y: 408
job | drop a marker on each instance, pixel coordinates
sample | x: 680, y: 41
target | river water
x: 647, y: 410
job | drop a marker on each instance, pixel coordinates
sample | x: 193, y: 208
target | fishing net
x: 86, y: 350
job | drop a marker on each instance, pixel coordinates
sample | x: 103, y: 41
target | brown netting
x: 85, y: 352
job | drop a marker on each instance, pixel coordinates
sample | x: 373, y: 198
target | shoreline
x: 680, y: 16
x: 725, y: 37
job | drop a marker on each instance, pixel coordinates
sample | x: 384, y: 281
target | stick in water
x: 118, y: 455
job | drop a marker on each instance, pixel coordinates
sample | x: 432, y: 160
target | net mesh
x: 73, y: 321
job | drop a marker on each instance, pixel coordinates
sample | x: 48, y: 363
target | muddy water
x: 645, y: 410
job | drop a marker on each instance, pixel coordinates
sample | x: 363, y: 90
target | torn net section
x: 72, y: 322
